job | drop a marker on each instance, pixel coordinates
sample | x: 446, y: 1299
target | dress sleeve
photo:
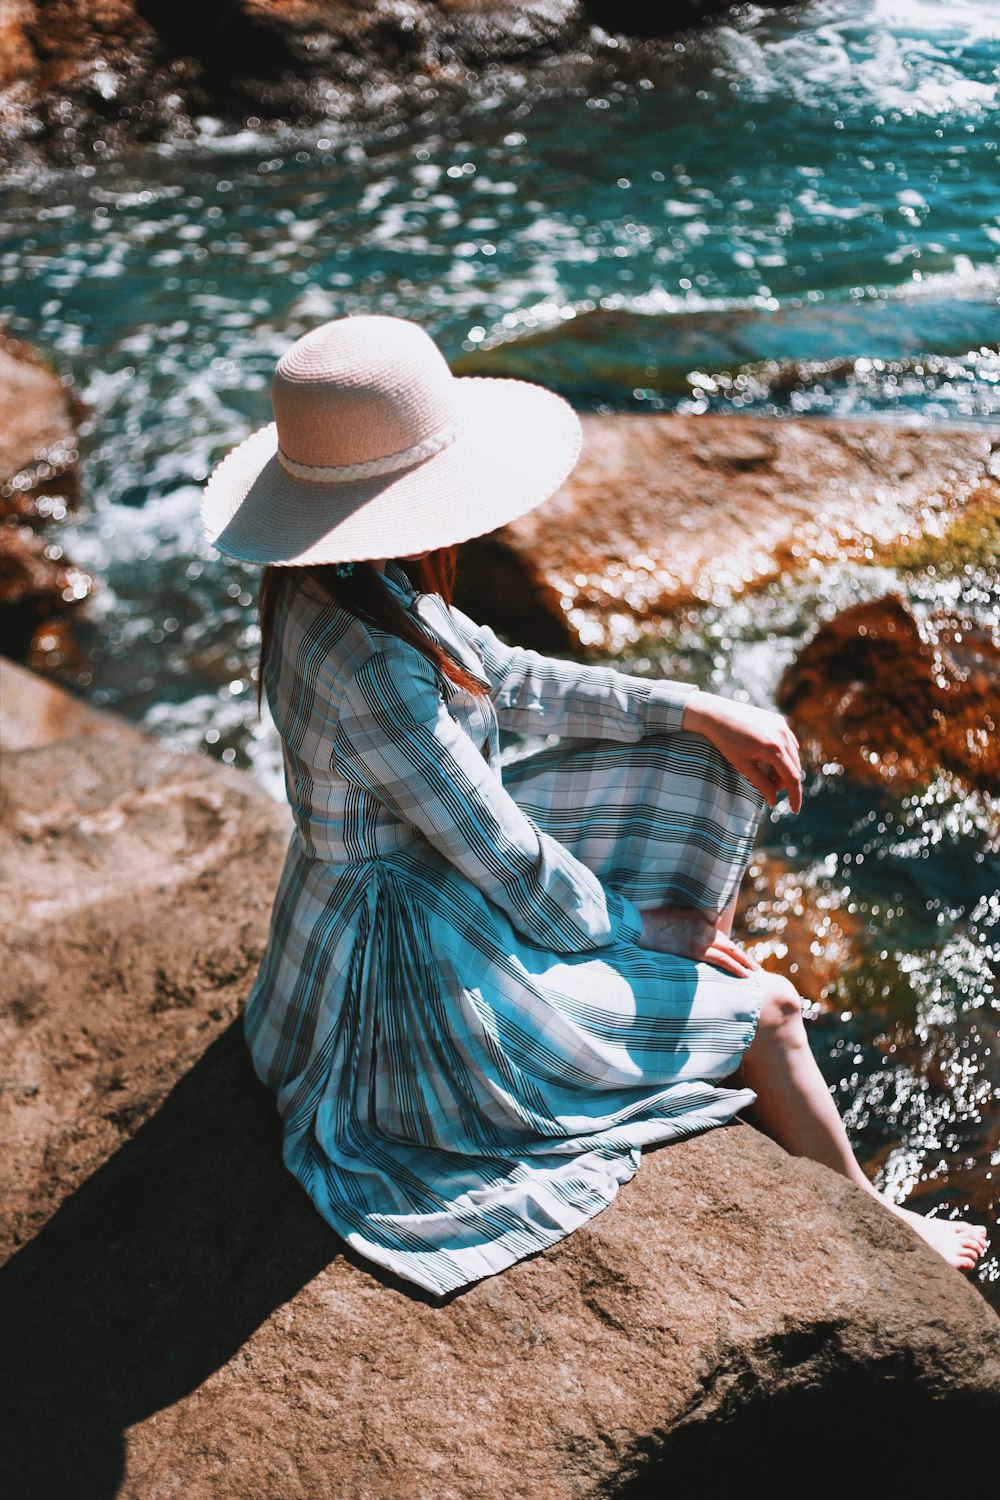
x: 396, y: 739
x: 536, y: 694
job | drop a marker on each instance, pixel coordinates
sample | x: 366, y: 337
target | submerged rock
x: 738, y: 355
x: 179, y: 1321
x: 651, y: 18
x: 891, y: 699
x: 665, y: 510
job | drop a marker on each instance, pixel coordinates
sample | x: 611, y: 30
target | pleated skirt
x: 456, y: 1097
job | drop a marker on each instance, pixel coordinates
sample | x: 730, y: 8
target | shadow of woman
x: 150, y: 1277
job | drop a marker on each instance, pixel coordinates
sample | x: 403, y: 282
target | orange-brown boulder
x: 890, y: 698
x: 664, y: 510
x: 39, y: 447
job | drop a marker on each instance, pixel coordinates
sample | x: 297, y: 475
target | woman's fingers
x: 726, y: 954
x: 790, y: 766
x: 779, y: 772
x: 732, y: 964
x: 727, y: 962
x: 691, y: 933
x: 788, y: 777
x: 757, y: 741
x: 758, y: 775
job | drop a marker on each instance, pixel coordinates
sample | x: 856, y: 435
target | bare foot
x: 960, y: 1244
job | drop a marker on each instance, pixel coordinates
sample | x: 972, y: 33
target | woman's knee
x: 781, y: 1007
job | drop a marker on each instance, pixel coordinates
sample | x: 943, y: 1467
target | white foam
x: 885, y: 54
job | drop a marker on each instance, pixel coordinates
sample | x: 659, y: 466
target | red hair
x: 364, y: 594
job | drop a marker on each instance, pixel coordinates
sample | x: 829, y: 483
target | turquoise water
x: 791, y: 213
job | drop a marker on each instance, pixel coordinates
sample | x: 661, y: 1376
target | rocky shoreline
x: 176, y: 1309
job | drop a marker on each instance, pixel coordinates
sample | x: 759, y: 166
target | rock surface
x: 663, y: 510
x: 892, y: 699
x: 105, y: 836
x: 39, y: 450
x: 179, y: 1321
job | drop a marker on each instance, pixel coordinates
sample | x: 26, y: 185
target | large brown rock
x: 666, y: 510
x: 179, y: 1322
x: 892, y: 699
x: 104, y: 835
x: 34, y: 712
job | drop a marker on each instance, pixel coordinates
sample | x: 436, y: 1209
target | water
x: 792, y: 213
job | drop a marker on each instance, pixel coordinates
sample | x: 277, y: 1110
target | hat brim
x: 517, y: 444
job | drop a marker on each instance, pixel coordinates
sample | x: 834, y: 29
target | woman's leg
x: 666, y: 820
x: 669, y: 822
x: 795, y: 1108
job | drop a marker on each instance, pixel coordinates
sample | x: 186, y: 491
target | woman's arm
x: 396, y: 739
x: 756, y: 741
x: 535, y: 694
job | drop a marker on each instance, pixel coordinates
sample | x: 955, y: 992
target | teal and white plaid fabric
x: 467, y: 1045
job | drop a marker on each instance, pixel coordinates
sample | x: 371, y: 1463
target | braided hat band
x: 378, y: 451
x: 373, y: 468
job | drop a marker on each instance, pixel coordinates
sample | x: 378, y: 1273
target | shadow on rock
x: 830, y: 1437
x: 150, y: 1277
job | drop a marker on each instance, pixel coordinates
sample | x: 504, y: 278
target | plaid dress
x: 467, y: 1045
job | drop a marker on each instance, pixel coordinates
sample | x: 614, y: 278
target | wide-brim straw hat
x: 378, y: 451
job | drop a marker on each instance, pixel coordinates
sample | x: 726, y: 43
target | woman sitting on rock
x: 485, y: 990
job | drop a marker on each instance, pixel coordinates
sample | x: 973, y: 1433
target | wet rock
x: 84, y: 74
x: 175, y: 1311
x: 39, y: 446
x: 37, y: 585
x: 603, y: 354
x: 650, y: 18
x: 39, y: 450
x: 797, y: 923
x: 666, y: 510
x: 891, y: 699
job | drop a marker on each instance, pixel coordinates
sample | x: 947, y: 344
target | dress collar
x: 434, y: 616
x: 398, y: 582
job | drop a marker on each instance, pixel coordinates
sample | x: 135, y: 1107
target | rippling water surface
x: 790, y: 213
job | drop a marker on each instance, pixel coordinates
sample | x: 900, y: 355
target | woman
x: 485, y: 991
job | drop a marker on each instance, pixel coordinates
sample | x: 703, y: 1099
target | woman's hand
x: 692, y: 933
x: 756, y: 741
